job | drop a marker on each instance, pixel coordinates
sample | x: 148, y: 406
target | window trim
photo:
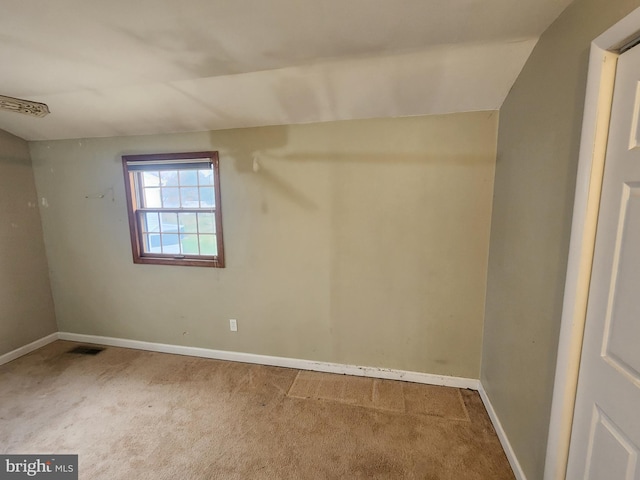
x: 132, y: 211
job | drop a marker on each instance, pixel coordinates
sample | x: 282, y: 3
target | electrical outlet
x: 233, y: 325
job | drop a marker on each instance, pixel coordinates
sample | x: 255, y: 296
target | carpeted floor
x: 139, y: 415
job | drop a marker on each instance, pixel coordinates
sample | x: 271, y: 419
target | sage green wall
x: 538, y: 144
x: 359, y: 242
x: 26, y: 305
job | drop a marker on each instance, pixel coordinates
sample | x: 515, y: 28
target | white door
x: 605, y: 439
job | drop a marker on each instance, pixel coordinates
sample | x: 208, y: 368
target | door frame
x: 593, y: 144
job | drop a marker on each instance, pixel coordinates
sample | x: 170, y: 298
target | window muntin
x: 174, y: 208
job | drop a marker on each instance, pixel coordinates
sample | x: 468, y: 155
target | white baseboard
x: 19, y: 352
x: 502, y: 435
x: 374, y: 372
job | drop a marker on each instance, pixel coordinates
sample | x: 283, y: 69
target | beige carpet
x: 140, y: 415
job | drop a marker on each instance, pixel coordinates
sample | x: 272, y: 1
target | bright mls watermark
x: 50, y: 467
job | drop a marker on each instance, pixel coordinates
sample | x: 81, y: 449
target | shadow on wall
x: 261, y: 152
x: 247, y: 154
x: 395, y: 158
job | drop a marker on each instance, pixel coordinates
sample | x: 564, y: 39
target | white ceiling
x: 128, y: 67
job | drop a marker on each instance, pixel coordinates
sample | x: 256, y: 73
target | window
x: 174, y: 208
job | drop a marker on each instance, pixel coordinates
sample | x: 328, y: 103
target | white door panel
x: 610, y: 454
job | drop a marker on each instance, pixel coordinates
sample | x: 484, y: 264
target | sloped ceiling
x: 129, y: 67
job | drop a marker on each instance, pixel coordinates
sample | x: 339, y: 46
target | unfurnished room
x: 285, y: 239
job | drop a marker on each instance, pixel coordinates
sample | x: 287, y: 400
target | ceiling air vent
x: 18, y: 105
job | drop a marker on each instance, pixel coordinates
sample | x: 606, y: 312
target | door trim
x: 593, y: 143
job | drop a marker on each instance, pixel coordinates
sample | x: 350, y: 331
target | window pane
x: 151, y: 243
x: 205, y: 177
x: 170, y: 198
x: 169, y: 178
x: 170, y: 243
x: 188, y: 223
x: 188, y: 177
x: 206, y: 223
x: 208, y: 245
x: 151, y: 179
x: 150, y: 222
x: 152, y: 197
x: 189, y: 197
x: 190, y: 244
x: 146, y: 246
x: 207, y: 198
x: 169, y: 222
